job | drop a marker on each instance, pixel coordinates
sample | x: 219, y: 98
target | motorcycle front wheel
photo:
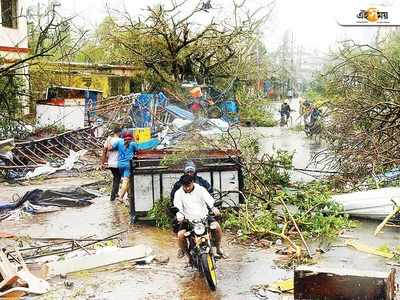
x: 209, y: 270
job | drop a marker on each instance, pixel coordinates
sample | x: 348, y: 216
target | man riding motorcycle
x: 285, y: 113
x: 194, y: 202
x: 190, y: 169
x: 312, y: 123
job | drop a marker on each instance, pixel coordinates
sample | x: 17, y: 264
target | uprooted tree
x: 363, y: 88
x: 171, y: 44
x: 274, y: 207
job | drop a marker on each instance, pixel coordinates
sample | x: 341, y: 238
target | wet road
x: 291, y: 138
x: 245, y: 268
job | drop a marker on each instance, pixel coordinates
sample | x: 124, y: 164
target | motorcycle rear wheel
x: 209, y: 270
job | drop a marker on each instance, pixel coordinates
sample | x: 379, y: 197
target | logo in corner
x: 372, y: 15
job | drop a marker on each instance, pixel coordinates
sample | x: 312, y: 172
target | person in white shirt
x: 109, y: 160
x: 194, y: 202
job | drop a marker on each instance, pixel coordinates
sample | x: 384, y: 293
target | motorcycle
x: 312, y: 128
x: 200, y: 245
x: 285, y: 118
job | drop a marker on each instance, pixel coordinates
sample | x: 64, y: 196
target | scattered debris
x: 367, y: 249
x: 371, y: 204
x: 279, y: 286
x: 6, y: 147
x: 103, y: 257
x: 49, y: 249
x: 282, y: 286
x: 60, y: 151
x: 39, y: 201
x: 389, y: 216
x: 17, y: 280
x: 311, y: 282
x: 163, y: 260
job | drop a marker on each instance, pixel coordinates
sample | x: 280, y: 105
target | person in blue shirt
x: 126, y: 151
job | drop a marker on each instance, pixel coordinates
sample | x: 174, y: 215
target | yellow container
x: 142, y: 134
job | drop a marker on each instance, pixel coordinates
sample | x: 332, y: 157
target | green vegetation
x: 360, y: 90
x: 267, y: 190
x: 316, y: 216
x: 253, y: 110
x: 11, y: 89
x: 159, y: 213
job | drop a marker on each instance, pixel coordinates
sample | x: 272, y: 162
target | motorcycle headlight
x: 199, y: 229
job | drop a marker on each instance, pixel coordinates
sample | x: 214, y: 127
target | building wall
x: 14, y: 47
x: 14, y: 41
x: 111, y: 81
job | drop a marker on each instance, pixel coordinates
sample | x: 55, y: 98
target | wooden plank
x: 311, y: 282
x: 369, y: 250
x: 97, y: 260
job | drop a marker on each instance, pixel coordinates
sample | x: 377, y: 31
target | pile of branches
x: 275, y: 208
x: 363, y: 131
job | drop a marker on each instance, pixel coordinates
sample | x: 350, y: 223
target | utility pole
x: 292, y: 64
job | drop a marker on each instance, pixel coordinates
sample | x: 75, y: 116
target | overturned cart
x: 152, y: 180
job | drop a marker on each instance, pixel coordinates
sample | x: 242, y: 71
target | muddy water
x: 291, y: 138
x: 244, y: 269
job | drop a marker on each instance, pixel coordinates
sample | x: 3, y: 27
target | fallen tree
x: 275, y: 208
x: 363, y: 88
x: 172, y: 46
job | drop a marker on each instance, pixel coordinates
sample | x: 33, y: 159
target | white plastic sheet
x: 68, y: 165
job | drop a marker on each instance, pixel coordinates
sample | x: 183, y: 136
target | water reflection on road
x: 293, y: 139
x: 245, y: 268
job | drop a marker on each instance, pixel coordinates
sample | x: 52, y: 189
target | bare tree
x: 50, y: 36
x: 364, y: 125
x: 171, y: 43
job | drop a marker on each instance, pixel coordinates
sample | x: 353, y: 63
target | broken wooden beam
x: 100, y: 259
x: 41, y: 151
x: 313, y: 282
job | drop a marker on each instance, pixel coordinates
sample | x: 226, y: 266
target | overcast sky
x: 313, y: 22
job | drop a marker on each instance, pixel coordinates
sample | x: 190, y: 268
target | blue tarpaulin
x: 179, y: 112
x: 390, y: 175
x: 150, y: 144
x: 230, y: 109
x: 143, y: 106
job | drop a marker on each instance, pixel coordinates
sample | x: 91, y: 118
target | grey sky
x: 313, y: 22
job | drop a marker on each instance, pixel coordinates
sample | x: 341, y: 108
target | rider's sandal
x: 221, y: 253
x: 180, y: 254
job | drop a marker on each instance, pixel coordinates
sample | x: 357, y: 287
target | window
x: 9, y: 13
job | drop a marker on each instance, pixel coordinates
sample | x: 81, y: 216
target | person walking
x: 126, y: 150
x: 109, y: 160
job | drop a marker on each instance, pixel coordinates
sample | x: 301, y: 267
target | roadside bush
x: 253, y: 110
x: 159, y: 213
